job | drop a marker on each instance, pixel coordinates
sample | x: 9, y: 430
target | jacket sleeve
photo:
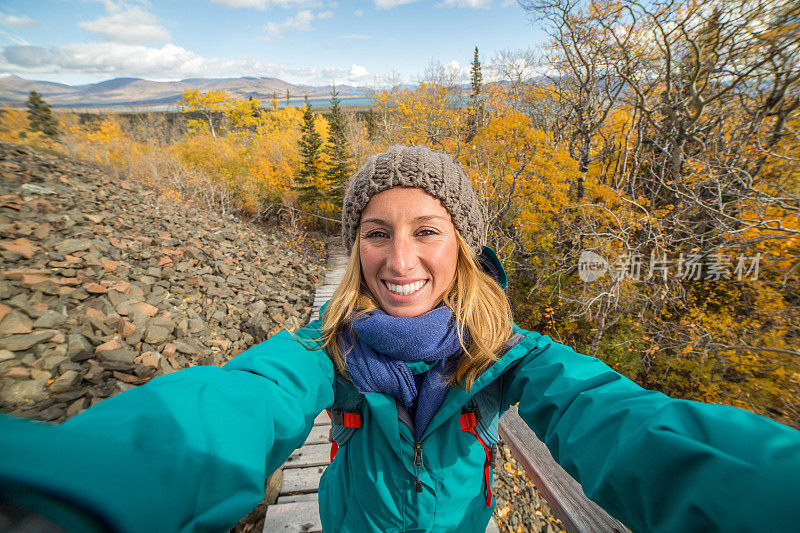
x: 653, y: 462
x: 188, y: 451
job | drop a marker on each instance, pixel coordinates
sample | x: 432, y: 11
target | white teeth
x: 405, y: 289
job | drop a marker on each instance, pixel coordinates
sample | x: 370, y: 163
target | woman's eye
x: 427, y: 232
x: 376, y: 234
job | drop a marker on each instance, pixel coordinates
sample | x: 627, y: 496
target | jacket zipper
x: 418, y: 463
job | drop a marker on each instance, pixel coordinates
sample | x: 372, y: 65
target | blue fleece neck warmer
x: 377, y: 360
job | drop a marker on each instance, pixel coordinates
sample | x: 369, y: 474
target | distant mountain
x: 136, y: 93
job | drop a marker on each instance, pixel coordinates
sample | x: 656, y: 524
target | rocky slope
x: 104, y: 285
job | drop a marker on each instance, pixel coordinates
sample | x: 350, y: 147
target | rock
x: 70, y: 246
x: 17, y: 372
x: 22, y: 246
x: 185, y: 347
x: 4, y: 310
x: 76, y: 407
x: 94, y: 288
x: 51, y: 413
x: 15, y: 323
x: 109, y: 265
x: 168, y: 350
x: 49, y: 319
x: 22, y: 391
x: 156, y: 334
x: 120, y: 355
x: 79, y: 348
x: 51, y: 362
x: 151, y: 359
x: 130, y: 307
x: 30, y: 187
x: 96, y: 314
x: 17, y: 343
x: 113, y: 344
x: 65, y: 381
x: 6, y: 355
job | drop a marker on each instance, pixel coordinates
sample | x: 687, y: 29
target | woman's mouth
x: 406, y: 289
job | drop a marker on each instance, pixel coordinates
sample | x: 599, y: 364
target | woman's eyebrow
x: 422, y: 218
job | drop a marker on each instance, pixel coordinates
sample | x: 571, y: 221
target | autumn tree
x: 585, y: 83
x: 210, y: 105
x: 308, y: 182
x: 40, y: 116
x: 337, y: 171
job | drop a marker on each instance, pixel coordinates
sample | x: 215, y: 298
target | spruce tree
x: 308, y: 180
x: 338, y: 171
x: 40, y: 116
x: 476, y: 112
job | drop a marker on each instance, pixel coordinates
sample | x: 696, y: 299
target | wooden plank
x: 293, y: 518
x: 294, y: 498
x: 309, y: 456
x: 300, y: 480
x: 318, y: 435
x: 322, y: 419
x: 565, y: 496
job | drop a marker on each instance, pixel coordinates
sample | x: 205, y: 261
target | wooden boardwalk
x: 297, y: 508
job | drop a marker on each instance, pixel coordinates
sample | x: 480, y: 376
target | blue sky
x: 300, y: 41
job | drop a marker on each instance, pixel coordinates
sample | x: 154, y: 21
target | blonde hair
x: 478, y: 303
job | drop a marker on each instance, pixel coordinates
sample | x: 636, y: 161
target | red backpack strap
x: 469, y: 420
x: 348, y: 419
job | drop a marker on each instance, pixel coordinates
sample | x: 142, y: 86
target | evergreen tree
x: 40, y: 116
x: 287, y: 97
x: 308, y: 180
x: 372, y: 124
x: 338, y: 171
x: 476, y: 111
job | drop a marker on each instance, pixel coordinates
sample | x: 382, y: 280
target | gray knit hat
x: 415, y: 166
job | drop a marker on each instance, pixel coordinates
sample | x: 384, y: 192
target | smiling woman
x: 416, y: 358
x: 408, y: 249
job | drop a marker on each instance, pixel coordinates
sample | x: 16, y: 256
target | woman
x: 416, y: 357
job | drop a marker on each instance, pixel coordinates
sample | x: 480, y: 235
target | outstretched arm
x: 656, y: 463
x: 187, y: 452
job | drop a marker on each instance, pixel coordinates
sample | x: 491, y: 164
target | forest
x: 641, y: 176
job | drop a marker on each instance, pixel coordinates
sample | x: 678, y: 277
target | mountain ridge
x: 138, y: 92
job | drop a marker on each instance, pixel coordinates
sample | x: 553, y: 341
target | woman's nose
x: 402, y: 255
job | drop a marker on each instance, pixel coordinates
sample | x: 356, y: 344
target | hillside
x: 135, y: 92
x: 104, y: 285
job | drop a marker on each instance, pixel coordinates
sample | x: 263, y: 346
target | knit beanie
x: 415, y: 166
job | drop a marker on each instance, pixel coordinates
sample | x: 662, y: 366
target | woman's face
x: 408, y: 250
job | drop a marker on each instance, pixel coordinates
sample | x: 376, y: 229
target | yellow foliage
x: 14, y: 127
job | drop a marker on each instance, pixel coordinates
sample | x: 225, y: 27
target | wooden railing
x: 564, y: 495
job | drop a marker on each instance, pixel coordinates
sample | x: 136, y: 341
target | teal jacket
x: 190, y: 451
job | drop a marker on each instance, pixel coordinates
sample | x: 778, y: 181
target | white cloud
x: 266, y: 4
x: 473, y: 4
x: 388, y: 4
x: 301, y: 21
x: 17, y: 21
x: 109, y: 60
x: 127, y: 24
x: 357, y: 72
x: 358, y: 12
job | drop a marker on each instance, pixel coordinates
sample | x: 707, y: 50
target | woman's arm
x: 186, y: 452
x: 656, y: 463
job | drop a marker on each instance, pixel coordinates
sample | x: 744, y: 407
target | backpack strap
x: 469, y: 421
x: 347, y: 419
